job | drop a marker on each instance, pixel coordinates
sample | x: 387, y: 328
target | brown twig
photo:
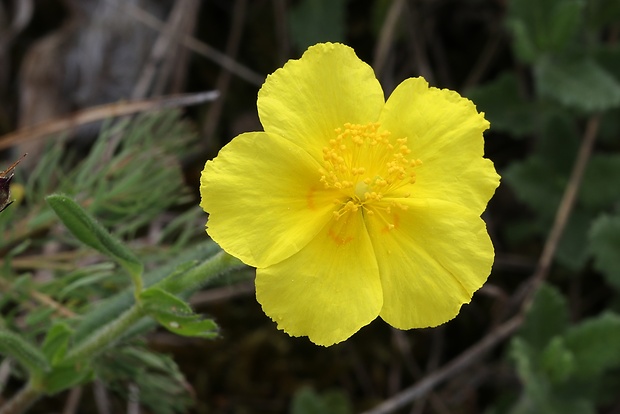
x: 160, y: 49
x: 214, y: 112
x: 21, y: 401
x: 73, y: 401
x: 506, y: 329
x: 174, y: 69
x: 417, y: 42
x: 199, y: 47
x: 484, y: 60
x: 565, y: 208
x: 280, y: 16
x: 461, y: 362
x: 102, y: 400
x: 98, y: 113
x: 386, y: 36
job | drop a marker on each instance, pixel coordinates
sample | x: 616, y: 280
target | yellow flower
x: 351, y: 207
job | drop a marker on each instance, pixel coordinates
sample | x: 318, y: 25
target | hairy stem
x: 21, y: 401
x: 104, y: 336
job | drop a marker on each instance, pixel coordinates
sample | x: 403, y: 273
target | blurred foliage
x: 314, y: 21
x: 556, y: 66
x: 563, y: 367
x: 86, y: 291
x: 306, y: 401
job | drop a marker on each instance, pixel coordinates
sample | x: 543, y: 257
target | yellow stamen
x: 365, y: 164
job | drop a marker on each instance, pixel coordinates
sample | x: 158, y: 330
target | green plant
x: 86, y: 322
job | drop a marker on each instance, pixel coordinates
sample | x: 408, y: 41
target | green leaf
x: 553, y: 405
x: 15, y: 346
x: 571, y: 251
x: 90, y: 232
x: 56, y: 342
x: 557, y: 361
x: 540, y: 181
x: 539, y: 378
x: 155, y: 299
x: 307, y: 401
x: 163, y: 389
x: 526, y: 359
x: 536, y: 185
x: 175, y: 314
x: 523, y: 44
x: 580, y: 83
x: 504, y: 106
x: 65, y: 377
x: 171, y: 282
x: 564, y: 23
x: 545, y: 319
x: 595, y: 344
x: 600, y: 189
x: 107, y: 310
x: 314, y: 21
x: 542, y: 26
x: 605, y: 247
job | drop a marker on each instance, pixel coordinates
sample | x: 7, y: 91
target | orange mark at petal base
x: 310, y: 198
x: 338, y: 238
x: 340, y: 230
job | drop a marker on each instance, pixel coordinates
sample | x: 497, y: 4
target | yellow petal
x: 264, y: 198
x: 431, y: 262
x: 327, y: 291
x: 307, y: 99
x: 444, y: 131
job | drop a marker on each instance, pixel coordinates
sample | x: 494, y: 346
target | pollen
x: 365, y: 164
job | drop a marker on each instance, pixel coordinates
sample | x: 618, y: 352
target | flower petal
x: 444, y: 131
x: 264, y: 198
x: 327, y: 291
x: 431, y: 262
x: 307, y: 99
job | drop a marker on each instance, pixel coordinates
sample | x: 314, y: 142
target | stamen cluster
x: 365, y: 164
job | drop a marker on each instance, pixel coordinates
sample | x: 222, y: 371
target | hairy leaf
x: 595, y: 344
x: 580, y: 83
x: 546, y: 318
x: 605, y: 246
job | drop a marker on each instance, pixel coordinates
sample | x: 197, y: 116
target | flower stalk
x: 102, y: 338
x: 21, y: 401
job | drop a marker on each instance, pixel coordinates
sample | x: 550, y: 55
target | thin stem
x: 386, y: 36
x: 104, y: 336
x: 459, y: 363
x: 99, y: 340
x: 566, y: 207
x: 21, y: 401
x: 199, y: 275
x: 215, y: 265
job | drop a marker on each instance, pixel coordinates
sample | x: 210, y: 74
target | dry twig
x: 386, y: 36
x: 223, y: 81
x: 199, y: 47
x: 98, y: 113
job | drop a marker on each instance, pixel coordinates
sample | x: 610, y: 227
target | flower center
x: 365, y: 165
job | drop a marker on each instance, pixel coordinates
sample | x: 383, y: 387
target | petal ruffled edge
x: 264, y: 199
x: 308, y: 98
x: 444, y: 131
x: 431, y: 262
x: 327, y: 291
